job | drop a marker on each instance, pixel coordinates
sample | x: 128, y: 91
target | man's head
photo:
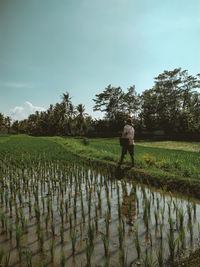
x: 129, y: 121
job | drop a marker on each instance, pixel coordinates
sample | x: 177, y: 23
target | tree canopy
x: 172, y: 105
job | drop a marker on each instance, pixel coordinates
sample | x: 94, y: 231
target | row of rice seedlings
x: 52, y: 186
x: 173, y: 243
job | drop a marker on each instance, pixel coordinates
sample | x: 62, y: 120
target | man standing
x: 128, y: 133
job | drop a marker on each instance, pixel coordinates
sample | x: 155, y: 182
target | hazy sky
x: 48, y: 47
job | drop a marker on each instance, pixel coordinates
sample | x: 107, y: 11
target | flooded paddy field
x: 55, y: 213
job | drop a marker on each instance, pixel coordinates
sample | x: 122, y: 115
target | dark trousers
x: 130, y: 149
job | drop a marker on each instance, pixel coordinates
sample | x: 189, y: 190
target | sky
x: 49, y: 47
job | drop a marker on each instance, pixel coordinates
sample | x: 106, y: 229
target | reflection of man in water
x: 128, y: 204
x: 128, y: 133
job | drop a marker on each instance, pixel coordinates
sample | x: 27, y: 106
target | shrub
x: 149, y: 159
x: 85, y: 142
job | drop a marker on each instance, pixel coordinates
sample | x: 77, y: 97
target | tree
x: 15, y: 127
x: 81, y: 119
x: 148, y: 115
x: 110, y: 101
x: 1, y: 121
x: 7, y: 123
x: 131, y: 103
x: 169, y: 105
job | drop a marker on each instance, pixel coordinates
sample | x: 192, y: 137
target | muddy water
x: 56, y: 185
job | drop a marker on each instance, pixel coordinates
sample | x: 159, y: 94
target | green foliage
x: 149, y: 159
x: 86, y: 141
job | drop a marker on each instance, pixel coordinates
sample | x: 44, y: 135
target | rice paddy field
x: 57, y: 209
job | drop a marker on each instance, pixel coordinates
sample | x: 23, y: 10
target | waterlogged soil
x: 92, y: 208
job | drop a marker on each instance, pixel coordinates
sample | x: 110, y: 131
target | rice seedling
x: 37, y: 212
x: 194, y: 209
x: 96, y: 218
x: 30, y: 206
x: 91, y: 232
x: 189, y: 212
x: 123, y: 257
x: 62, y: 214
x: 163, y: 213
x: 41, y: 239
x: 150, y: 239
x: 171, y: 223
x: 137, y: 203
x: 107, y: 221
x: 88, y: 251
x: 119, y: 211
x: 99, y: 198
x: 107, y: 262
x: 158, y: 203
x: 10, y: 206
x: 156, y: 218
x: 169, y: 208
x: 105, y: 240
x: 62, y: 258
x: 148, y: 262
x: 146, y: 222
x: 3, y: 218
x: 10, y: 230
x: 190, y: 228
x: 53, y: 228
x: 73, y: 241
x: 66, y: 205
x: 160, y: 256
x: 62, y: 234
x: 18, y: 235
x: 161, y: 231
x: 70, y: 221
x: 52, y: 250
x: 52, y: 213
x: 137, y: 242
x: 28, y: 255
x: 171, y: 245
x: 109, y: 205
x: 7, y: 260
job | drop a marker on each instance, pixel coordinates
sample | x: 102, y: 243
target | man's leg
x: 124, y: 150
x: 131, y: 152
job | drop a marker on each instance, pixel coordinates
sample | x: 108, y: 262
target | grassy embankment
x: 175, y: 169
x: 174, y: 165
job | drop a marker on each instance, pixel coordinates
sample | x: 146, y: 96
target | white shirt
x: 128, y: 133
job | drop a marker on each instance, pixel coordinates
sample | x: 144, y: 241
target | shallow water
x: 55, y: 184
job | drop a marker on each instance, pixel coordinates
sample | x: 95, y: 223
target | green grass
x: 4, y: 138
x: 175, y: 161
x: 178, y: 145
x: 149, y: 157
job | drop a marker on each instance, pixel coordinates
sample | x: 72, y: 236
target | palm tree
x: 7, y: 122
x: 1, y: 121
x: 80, y: 118
x: 15, y: 126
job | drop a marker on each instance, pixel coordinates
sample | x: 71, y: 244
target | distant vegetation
x: 171, y: 109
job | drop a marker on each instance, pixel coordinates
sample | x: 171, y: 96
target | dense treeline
x: 171, y: 107
x: 61, y: 119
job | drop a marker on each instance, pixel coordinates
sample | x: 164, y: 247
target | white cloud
x: 33, y: 108
x: 16, y: 85
x: 20, y: 113
x: 17, y: 109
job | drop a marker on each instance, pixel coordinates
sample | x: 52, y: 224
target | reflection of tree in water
x: 128, y: 207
